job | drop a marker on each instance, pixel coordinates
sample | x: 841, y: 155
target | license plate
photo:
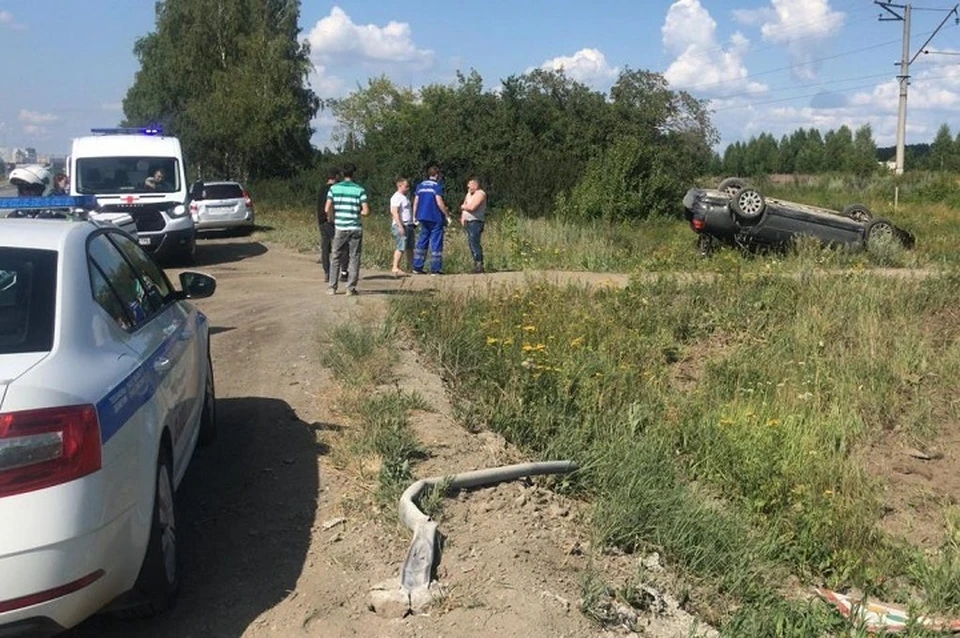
x: 144, y: 241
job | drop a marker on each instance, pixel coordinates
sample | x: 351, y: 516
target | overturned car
x: 737, y: 215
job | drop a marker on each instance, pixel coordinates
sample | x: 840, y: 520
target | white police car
x: 106, y: 387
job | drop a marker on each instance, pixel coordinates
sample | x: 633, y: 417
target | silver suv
x: 221, y: 205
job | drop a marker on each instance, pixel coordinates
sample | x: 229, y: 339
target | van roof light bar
x: 142, y: 130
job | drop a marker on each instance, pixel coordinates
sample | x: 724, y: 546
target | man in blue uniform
x: 430, y: 211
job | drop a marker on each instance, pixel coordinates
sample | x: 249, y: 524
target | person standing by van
x: 431, y: 212
x: 346, y: 204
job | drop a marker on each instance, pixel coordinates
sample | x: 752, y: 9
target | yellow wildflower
x: 492, y: 340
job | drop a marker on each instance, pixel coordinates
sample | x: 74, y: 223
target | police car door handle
x: 162, y: 364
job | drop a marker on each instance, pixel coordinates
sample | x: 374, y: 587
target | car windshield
x: 105, y: 175
x: 28, y: 292
x: 222, y: 191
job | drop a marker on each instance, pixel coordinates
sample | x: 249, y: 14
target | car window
x: 28, y: 298
x: 150, y: 272
x: 139, y: 301
x: 222, y: 191
x: 107, y: 297
x: 100, y: 175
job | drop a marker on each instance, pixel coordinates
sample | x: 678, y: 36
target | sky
x: 764, y: 65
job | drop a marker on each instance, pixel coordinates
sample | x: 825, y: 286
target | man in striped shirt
x: 346, y: 203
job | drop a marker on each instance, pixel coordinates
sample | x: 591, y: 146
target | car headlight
x: 178, y: 211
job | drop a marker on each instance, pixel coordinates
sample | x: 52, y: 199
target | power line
x: 788, y: 99
x: 844, y: 91
x: 790, y: 67
x: 805, y: 86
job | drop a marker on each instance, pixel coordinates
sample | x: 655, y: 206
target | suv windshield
x: 222, y: 191
x: 28, y: 292
x: 106, y: 175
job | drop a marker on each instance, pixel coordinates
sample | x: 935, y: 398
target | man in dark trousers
x: 327, y: 228
x: 430, y: 210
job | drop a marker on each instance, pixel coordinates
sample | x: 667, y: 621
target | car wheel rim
x: 860, y: 216
x: 731, y: 191
x: 750, y: 204
x: 881, y: 232
x: 168, y: 528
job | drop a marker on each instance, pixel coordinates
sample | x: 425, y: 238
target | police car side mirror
x: 196, y: 285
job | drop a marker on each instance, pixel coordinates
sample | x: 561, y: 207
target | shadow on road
x: 246, y: 509
x: 209, y: 254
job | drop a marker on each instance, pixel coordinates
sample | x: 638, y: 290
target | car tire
x: 880, y: 231
x: 858, y: 213
x: 189, y: 255
x: 159, y: 579
x: 748, y: 204
x: 208, y: 415
x: 732, y: 185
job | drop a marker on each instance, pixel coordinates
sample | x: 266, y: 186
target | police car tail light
x: 42, y: 448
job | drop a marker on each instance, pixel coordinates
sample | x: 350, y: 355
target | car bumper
x: 170, y: 243
x: 56, y: 577
x: 233, y: 220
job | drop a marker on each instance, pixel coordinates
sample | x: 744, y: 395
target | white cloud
x: 34, y: 122
x: 801, y: 25
x: 337, y: 42
x: 36, y: 117
x: 701, y: 63
x: 588, y: 66
x: 324, y: 83
x: 7, y: 21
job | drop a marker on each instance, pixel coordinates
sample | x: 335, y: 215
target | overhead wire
x: 845, y: 91
x: 752, y: 104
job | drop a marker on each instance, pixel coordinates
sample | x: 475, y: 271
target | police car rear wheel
x: 159, y: 579
x: 208, y: 418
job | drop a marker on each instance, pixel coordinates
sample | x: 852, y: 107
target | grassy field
x: 722, y: 421
x: 927, y: 206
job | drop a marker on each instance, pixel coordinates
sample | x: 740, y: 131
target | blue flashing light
x: 86, y: 202
x: 142, y: 130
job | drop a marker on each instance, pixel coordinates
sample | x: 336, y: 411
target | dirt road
x: 258, y: 559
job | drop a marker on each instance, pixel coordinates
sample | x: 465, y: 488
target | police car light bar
x: 87, y: 202
x: 143, y: 130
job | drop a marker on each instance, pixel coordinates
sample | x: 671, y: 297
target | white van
x: 141, y: 172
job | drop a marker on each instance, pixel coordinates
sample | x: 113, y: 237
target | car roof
x: 44, y: 234
x: 125, y: 145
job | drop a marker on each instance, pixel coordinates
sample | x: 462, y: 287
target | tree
x: 837, y: 149
x: 942, y: 151
x: 368, y: 109
x: 810, y: 155
x: 229, y: 79
x: 863, y: 161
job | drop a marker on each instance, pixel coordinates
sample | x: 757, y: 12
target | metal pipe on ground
x: 413, y: 592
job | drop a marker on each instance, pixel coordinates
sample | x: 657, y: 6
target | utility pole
x: 902, y: 12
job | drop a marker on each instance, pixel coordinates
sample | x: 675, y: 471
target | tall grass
x: 382, y: 443
x: 719, y: 421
